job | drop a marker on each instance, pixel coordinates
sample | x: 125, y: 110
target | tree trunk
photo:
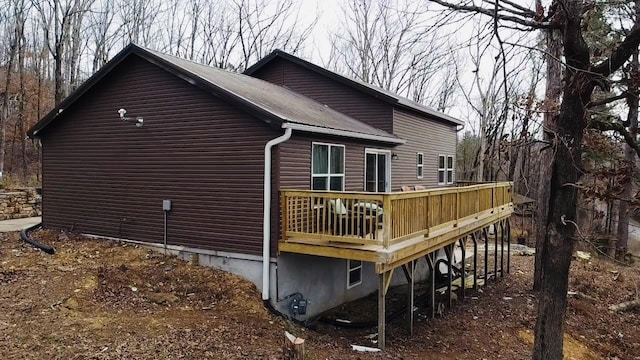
x: 566, y: 169
x: 552, y: 97
x: 58, y: 77
x: 23, y: 98
x: 629, y: 158
x: 4, y: 116
x: 558, y: 240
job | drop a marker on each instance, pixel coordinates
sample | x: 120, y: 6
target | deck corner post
x: 386, y: 220
x: 285, y: 215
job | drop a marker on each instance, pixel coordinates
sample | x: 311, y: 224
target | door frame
x: 388, y: 172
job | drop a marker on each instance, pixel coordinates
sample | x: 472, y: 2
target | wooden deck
x: 388, y: 229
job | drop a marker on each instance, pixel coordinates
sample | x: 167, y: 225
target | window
x: 327, y: 167
x: 354, y: 273
x: 442, y: 171
x: 420, y: 164
x: 445, y: 169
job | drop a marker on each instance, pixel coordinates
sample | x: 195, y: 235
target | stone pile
x: 20, y: 204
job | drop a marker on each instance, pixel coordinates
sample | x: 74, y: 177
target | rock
x: 162, y: 298
x: 582, y: 255
x: 71, y: 304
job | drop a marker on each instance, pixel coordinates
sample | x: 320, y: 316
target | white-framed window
x: 354, y: 273
x: 442, y: 169
x: 449, y: 169
x: 445, y: 169
x: 377, y: 170
x: 327, y: 167
x: 420, y: 165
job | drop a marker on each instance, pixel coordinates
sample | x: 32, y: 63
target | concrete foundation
x: 323, y: 281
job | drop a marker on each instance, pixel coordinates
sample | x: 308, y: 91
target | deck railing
x: 386, y: 218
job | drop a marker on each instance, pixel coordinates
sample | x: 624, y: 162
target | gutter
x: 344, y: 133
x: 266, y: 220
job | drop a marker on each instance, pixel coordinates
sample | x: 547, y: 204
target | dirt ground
x: 106, y: 300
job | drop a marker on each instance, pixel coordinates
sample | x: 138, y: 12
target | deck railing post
x: 457, y: 206
x: 493, y: 197
x: 386, y: 220
x: 477, y: 201
x: 285, y: 220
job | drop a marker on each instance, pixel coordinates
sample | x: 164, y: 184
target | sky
x: 328, y: 13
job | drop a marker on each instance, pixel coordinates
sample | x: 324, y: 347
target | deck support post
x: 474, y: 238
x: 432, y: 279
x: 502, y: 238
x: 495, y: 252
x: 410, y: 295
x: 383, y: 286
x: 463, y: 242
x: 485, y: 235
x: 508, y: 246
x: 449, y: 252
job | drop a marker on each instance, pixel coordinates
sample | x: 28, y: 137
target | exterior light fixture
x: 394, y: 156
x: 139, y: 121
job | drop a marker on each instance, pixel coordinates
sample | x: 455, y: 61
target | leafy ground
x: 105, y: 300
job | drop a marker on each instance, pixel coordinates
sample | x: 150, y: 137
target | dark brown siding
x: 295, y: 162
x: 422, y: 135
x: 338, y: 96
x: 105, y: 177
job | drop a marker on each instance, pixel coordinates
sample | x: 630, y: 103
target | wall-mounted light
x: 139, y: 121
x: 394, y: 156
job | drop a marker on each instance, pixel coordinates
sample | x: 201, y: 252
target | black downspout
x: 24, y: 234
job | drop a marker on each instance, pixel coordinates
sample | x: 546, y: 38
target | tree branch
x: 492, y: 13
x: 605, y: 101
x: 619, y: 128
x: 621, y: 54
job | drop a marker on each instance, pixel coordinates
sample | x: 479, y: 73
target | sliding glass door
x: 377, y: 177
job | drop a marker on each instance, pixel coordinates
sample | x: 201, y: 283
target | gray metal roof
x: 285, y: 104
x: 271, y: 103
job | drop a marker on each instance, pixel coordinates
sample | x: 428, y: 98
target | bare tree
x: 566, y: 129
x: 103, y: 32
x: 12, y: 35
x: 139, y: 20
x: 391, y: 45
x: 264, y: 25
x: 632, y: 93
x: 61, y: 24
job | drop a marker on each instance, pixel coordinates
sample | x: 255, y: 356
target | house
x: 286, y: 175
x: 427, y: 155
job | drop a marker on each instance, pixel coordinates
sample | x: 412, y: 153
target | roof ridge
x: 259, y: 97
x: 388, y: 94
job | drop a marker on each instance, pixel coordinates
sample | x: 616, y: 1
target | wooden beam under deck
x: 399, y: 253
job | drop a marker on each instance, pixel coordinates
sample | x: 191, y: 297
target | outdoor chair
x: 341, y: 219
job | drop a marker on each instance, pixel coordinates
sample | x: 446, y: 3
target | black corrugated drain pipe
x: 24, y: 234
